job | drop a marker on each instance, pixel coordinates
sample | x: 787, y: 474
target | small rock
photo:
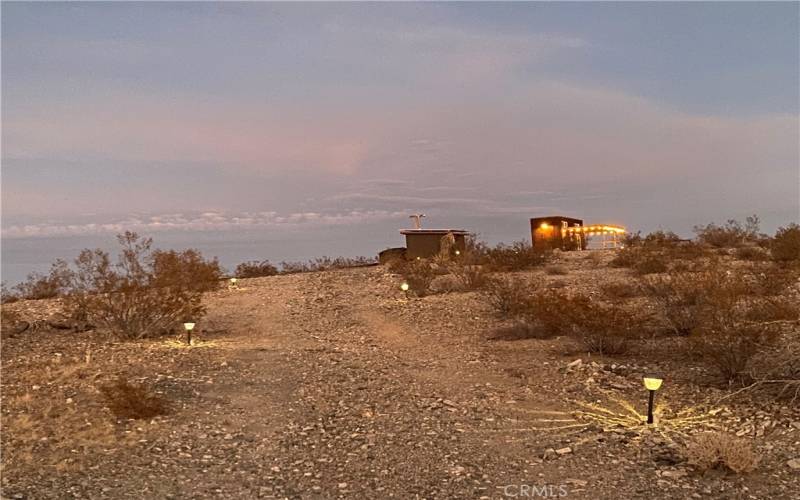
x: 794, y: 463
x: 563, y: 451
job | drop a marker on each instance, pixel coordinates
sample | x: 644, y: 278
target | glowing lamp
x: 652, y: 383
x: 189, y: 327
x: 404, y: 287
x: 544, y: 225
x: 458, y: 252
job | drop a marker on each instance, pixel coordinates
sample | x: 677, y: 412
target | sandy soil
x: 334, y: 385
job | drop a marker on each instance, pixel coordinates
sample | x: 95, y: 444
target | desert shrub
x: 773, y: 309
x: 419, y: 274
x: 517, y: 331
x: 45, y: 286
x: 556, y: 270
x: 126, y: 400
x: 621, y: 289
x: 255, y: 269
x: 730, y: 235
x: 186, y: 269
x: 325, y: 264
x: 555, y: 311
x: 145, y: 293
x: 518, y: 256
x: 754, y: 253
x: 652, y: 253
x: 7, y: 296
x: 785, y: 246
x: 508, y: 296
x: 470, y: 277
x: 605, y: 329
x: 650, y: 265
x: 713, y: 450
x: 717, y: 308
x: 729, y: 345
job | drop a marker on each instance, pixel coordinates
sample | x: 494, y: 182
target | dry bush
x: 508, y: 296
x: 126, y: 400
x: 255, y: 269
x: 518, y: 256
x: 187, y: 269
x: 518, y: 331
x: 326, y: 264
x: 770, y: 309
x: 776, y: 372
x: 752, y: 253
x: 470, y: 277
x: 621, y: 290
x: 7, y: 296
x: 650, y: 264
x: 714, y: 308
x: 605, y: 329
x: 682, y: 297
x: 146, y: 293
x: 556, y: 270
x: 729, y: 345
x: 717, y: 450
x: 731, y: 235
x: 785, y: 245
x: 45, y: 286
x: 419, y: 274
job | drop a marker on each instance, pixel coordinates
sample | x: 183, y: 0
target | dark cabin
x: 427, y: 243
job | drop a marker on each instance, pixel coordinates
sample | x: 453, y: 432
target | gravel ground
x: 334, y: 385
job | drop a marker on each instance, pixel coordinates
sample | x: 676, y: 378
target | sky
x: 294, y: 118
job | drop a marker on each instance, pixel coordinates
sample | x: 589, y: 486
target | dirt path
x: 320, y: 385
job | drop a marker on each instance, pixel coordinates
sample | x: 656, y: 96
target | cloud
x: 207, y: 221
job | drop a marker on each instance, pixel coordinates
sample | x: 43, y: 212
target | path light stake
x: 404, y: 288
x: 189, y: 327
x: 652, y: 383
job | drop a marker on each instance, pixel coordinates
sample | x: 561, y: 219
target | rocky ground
x: 335, y: 385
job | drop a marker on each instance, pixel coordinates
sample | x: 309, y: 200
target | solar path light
x: 652, y: 383
x: 189, y: 327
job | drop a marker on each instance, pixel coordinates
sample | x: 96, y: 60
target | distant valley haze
x: 286, y: 131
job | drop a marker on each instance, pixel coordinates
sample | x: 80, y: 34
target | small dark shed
x: 550, y: 232
x: 426, y: 243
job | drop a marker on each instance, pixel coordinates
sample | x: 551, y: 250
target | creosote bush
x: 146, y: 293
x: 785, y: 245
x: 325, y: 264
x: 126, y: 400
x: 419, y: 274
x: 717, y: 450
x: 470, y: 277
x: 508, y: 296
x: 518, y: 256
x: 621, y: 290
x: 730, y: 235
x: 255, y: 269
x: 719, y: 312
